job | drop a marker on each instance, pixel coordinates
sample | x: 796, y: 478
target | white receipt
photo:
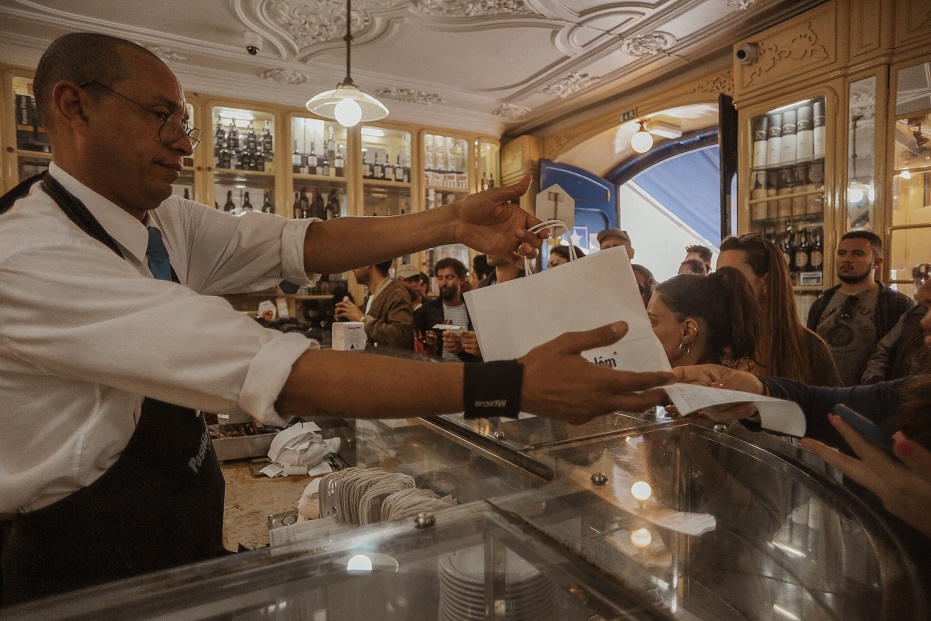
x: 775, y: 414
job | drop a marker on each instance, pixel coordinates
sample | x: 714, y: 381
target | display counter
x: 550, y: 527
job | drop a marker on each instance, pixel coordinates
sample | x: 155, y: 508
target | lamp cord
x: 348, y: 40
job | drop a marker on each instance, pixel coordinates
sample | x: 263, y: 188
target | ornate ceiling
x: 496, y: 66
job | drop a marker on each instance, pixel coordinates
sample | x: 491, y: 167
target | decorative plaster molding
x: 741, y: 5
x: 282, y: 76
x: 314, y: 21
x: 647, y: 45
x: 569, y: 85
x: 409, y: 95
x: 510, y: 111
x: 511, y: 159
x: 720, y: 83
x: 553, y: 145
x: 168, y: 55
x: 471, y: 8
x: 803, y: 46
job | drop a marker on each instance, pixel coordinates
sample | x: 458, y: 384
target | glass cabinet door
x: 319, y: 168
x: 33, y: 150
x: 910, y: 222
x: 244, y: 162
x: 489, y: 163
x: 386, y: 171
x: 787, y: 184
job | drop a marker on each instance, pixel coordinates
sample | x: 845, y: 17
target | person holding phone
x: 901, y: 481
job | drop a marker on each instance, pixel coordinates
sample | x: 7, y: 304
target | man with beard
x: 449, y: 309
x: 853, y: 316
x: 388, y: 317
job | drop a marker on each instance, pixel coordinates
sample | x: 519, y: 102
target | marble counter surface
x: 251, y: 499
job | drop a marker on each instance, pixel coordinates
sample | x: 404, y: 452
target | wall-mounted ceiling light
x: 642, y: 141
x: 347, y: 103
x: 666, y: 130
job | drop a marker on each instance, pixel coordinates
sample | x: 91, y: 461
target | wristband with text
x: 492, y: 388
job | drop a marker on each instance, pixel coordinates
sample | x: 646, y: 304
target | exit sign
x: 628, y: 115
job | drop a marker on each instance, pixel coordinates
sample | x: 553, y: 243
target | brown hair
x: 783, y: 350
x: 724, y: 306
x: 455, y: 264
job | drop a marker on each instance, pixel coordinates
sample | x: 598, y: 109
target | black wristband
x: 492, y: 388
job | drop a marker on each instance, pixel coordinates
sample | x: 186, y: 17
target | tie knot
x: 157, y: 254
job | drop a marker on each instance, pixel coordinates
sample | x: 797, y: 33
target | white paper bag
x: 512, y: 318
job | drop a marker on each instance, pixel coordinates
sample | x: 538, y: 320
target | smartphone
x: 867, y: 428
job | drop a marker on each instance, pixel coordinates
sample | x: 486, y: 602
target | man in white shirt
x: 103, y: 463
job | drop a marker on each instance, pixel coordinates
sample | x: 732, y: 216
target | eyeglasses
x: 846, y: 311
x: 921, y: 273
x: 173, y: 125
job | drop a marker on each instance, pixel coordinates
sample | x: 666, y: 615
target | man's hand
x: 903, y: 484
x: 559, y: 383
x: 469, y: 343
x: 348, y: 310
x: 451, y: 342
x: 489, y: 223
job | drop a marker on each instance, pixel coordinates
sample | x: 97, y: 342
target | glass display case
x: 665, y: 521
x: 33, y: 150
x: 244, y: 159
x: 910, y: 221
x: 319, y: 168
x: 386, y: 171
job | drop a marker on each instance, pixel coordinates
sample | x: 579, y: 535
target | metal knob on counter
x: 424, y: 520
x: 599, y: 478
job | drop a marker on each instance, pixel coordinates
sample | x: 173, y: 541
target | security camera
x: 747, y: 53
x: 253, y: 43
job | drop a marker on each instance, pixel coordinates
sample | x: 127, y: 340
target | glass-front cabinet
x: 30, y: 148
x: 446, y: 179
x: 910, y: 216
x: 386, y: 171
x: 243, y: 159
x: 787, y: 195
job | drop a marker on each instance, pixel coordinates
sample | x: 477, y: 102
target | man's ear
x: 68, y: 104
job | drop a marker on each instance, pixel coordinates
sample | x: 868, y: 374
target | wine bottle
x: 267, y: 206
x: 338, y: 161
x: 305, y: 204
x: 187, y: 195
x: 246, y: 203
x: 817, y: 252
x: 366, y: 165
x: 760, y: 127
x: 802, y: 253
x: 484, y: 185
x: 398, y: 173
x: 758, y: 210
x: 330, y: 146
x: 295, y: 159
x: 317, y: 208
x: 312, y: 161
x: 268, y: 141
x: 229, y: 205
x: 296, y: 207
x: 251, y: 138
x: 774, y: 140
x: 491, y: 181
x: 804, y: 134
x: 232, y: 138
x: 377, y: 171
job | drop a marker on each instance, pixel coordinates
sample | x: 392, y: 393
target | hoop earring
x: 688, y: 349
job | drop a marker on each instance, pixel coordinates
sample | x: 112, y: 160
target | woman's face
x: 738, y: 260
x: 555, y: 260
x: 666, y: 327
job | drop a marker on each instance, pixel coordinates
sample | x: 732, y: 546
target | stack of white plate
x: 528, y: 596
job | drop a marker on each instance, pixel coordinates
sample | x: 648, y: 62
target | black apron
x: 160, y: 505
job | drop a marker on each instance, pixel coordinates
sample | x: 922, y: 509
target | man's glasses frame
x: 173, y: 124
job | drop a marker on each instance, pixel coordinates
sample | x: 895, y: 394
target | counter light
x: 347, y: 103
x: 642, y: 141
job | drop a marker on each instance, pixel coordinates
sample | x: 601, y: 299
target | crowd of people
x: 102, y: 399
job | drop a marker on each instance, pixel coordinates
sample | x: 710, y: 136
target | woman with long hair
x: 706, y: 319
x: 786, y: 347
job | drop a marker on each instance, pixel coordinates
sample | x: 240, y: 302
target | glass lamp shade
x: 642, y: 141
x: 347, y: 105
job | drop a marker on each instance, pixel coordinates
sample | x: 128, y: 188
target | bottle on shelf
x: 267, y: 206
x: 398, y: 172
x: 232, y: 143
x: 246, y: 203
x: 814, y: 203
x: 251, y: 138
x: 802, y: 256
x: 332, y: 205
x: 491, y: 180
x: 295, y: 159
x: 774, y: 141
x: 339, y: 161
x: 484, y: 182
x: 317, y: 208
x: 817, y: 251
x: 377, y: 171
x: 296, y: 207
x: 799, y: 202
x: 758, y: 211
x: 268, y: 141
x: 366, y: 165
x: 312, y: 161
x: 229, y: 205
x: 804, y: 134
x: 304, y: 204
x: 760, y: 129
x: 330, y: 150
x: 187, y: 195
x: 323, y: 166
x: 788, y: 142
x: 818, y: 130
x: 219, y: 135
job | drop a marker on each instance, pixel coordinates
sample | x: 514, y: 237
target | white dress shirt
x: 85, y: 334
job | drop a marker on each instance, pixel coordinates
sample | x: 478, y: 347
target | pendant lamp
x: 347, y: 104
x: 642, y: 141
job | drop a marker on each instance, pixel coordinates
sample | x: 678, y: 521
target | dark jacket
x: 430, y: 314
x: 890, y: 305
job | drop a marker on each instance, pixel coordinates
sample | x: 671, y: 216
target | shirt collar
x: 128, y: 232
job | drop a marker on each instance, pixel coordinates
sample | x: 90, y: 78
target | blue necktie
x: 157, y: 254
